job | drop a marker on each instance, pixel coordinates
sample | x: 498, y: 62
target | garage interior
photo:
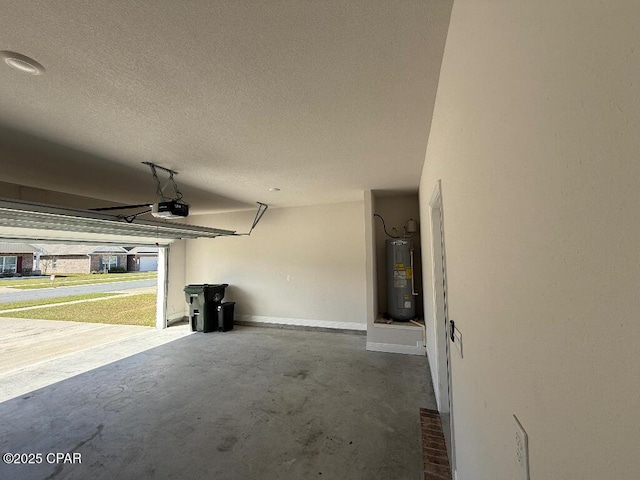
x: 513, y: 122
x: 250, y: 403
x: 307, y: 108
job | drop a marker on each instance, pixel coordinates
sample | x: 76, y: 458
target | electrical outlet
x: 522, y: 450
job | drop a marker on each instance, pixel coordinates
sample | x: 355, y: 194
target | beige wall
x: 371, y: 273
x: 321, y: 248
x: 535, y: 138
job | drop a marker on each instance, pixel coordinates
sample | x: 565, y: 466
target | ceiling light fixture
x: 22, y: 63
x: 274, y: 189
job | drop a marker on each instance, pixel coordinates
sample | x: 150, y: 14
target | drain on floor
x: 434, y: 448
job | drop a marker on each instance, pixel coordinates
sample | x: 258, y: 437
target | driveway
x: 25, y: 342
x: 42, y: 293
x: 37, y: 353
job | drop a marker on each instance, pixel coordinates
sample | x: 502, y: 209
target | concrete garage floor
x: 253, y: 403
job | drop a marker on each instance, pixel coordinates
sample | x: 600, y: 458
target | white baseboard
x: 301, y: 322
x: 394, y: 348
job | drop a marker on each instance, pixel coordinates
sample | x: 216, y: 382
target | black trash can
x: 204, y: 300
x: 225, y: 316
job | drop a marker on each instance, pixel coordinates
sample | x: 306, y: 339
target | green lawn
x: 49, y: 301
x: 129, y: 310
x: 66, y: 280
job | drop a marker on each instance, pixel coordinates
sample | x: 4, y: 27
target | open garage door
x: 39, y: 223
x: 28, y: 221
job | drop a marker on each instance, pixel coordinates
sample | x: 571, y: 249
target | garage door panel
x: 148, y: 264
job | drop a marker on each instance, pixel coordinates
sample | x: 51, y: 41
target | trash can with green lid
x: 203, y: 300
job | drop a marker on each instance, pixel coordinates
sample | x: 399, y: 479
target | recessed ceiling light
x: 274, y: 189
x: 22, y: 63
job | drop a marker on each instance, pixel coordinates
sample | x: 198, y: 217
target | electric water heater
x: 400, y: 281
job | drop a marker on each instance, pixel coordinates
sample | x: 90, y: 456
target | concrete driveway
x: 37, y: 353
x: 26, y: 341
x: 15, y: 295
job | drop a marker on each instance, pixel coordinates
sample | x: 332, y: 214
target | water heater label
x: 400, y: 266
x: 409, y: 272
x: 407, y: 304
x: 399, y: 278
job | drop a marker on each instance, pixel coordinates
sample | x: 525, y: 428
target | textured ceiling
x: 323, y: 99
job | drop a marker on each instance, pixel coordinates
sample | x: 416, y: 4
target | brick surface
x: 433, y: 460
x: 434, y: 440
x: 434, y: 450
x: 428, y: 411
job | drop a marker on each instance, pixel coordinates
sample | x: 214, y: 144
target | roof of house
x: 19, y: 248
x: 58, y: 249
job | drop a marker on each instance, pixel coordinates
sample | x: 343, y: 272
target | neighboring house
x: 81, y: 258
x: 17, y: 258
x: 142, y: 259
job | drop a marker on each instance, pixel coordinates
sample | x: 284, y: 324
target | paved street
x: 22, y: 295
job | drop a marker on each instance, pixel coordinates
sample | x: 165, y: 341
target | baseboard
x: 394, y: 348
x: 300, y: 323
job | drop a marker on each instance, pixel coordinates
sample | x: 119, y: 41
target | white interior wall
x: 535, y: 138
x: 371, y: 264
x: 303, y: 265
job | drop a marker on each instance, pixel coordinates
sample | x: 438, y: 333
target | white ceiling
x: 323, y: 99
